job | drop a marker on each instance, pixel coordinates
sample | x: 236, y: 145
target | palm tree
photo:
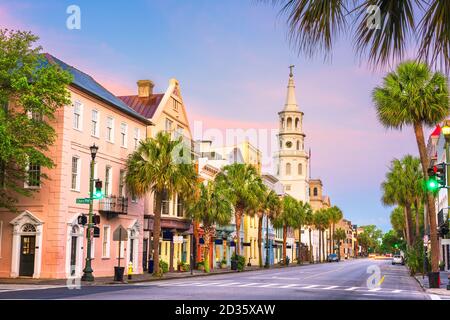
x: 403, y: 187
x: 286, y: 219
x: 304, y: 210
x: 309, y: 221
x: 336, y: 215
x: 397, y: 218
x: 243, y: 185
x: 271, y: 207
x: 321, y: 222
x: 153, y: 167
x: 211, y: 207
x: 413, y: 95
x: 314, y: 26
x: 339, y: 236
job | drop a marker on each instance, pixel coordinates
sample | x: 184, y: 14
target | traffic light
x: 436, y: 177
x: 96, y: 219
x: 82, y: 220
x: 98, y: 194
x: 432, y: 184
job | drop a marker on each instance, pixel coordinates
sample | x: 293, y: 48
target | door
x: 27, y: 248
x: 73, y: 255
x: 131, y: 250
x: 144, y: 254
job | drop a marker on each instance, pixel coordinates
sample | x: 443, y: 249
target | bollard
x: 130, y: 270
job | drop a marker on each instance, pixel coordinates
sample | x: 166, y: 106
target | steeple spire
x: 291, y: 101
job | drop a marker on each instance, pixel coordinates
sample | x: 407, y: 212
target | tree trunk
x: 431, y: 209
x: 339, y: 249
x: 409, y: 226
x: 284, y: 242
x: 207, y: 237
x: 299, y: 260
x: 320, y: 246
x: 196, y: 241
x: 238, y: 215
x: 260, y: 225
x: 417, y: 205
x: 334, y: 226
x: 311, y: 257
x: 156, y: 232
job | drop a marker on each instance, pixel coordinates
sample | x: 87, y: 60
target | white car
x: 398, y: 259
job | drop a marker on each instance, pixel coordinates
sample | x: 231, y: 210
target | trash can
x: 234, y: 264
x: 150, y: 266
x: 433, y: 279
x: 118, y: 273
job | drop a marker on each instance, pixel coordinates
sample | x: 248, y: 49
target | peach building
x: 44, y: 239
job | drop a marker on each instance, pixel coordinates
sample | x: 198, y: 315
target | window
x: 180, y: 207
x: 95, y: 123
x: 289, y: 123
x: 175, y: 104
x: 122, y: 183
x: 110, y: 129
x: 137, y: 137
x: 287, y: 187
x: 168, y: 125
x: 165, y: 202
x: 34, y: 175
x: 315, y: 192
x: 75, y: 185
x: 108, y: 179
x: 298, y: 145
x: 106, y: 248
x: 77, y: 115
x: 123, y: 134
x: 288, y: 169
x: 36, y: 116
x: 300, y: 169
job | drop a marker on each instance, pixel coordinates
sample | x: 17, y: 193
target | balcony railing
x: 114, y: 205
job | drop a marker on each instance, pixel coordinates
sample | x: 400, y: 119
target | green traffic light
x: 432, y: 184
x: 98, y: 194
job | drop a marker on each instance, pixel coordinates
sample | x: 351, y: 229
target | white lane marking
x: 311, y: 286
x: 185, y: 284
x: 376, y: 289
x: 207, y: 284
x: 289, y: 286
x: 228, y: 284
x: 248, y: 284
x: 434, y: 297
x: 351, y: 289
x: 397, y: 291
x: 268, y: 285
x: 329, y: 288
x: 161, y: 285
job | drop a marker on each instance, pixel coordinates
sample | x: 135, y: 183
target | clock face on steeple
x: 288, y: 144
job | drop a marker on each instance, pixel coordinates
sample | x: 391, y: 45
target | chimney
x: 145, y: 88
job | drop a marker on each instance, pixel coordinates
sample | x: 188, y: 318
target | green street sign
x: 83, y: 201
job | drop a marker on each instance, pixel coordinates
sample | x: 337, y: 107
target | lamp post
x: 446, y: 133
x: 87, y: 271
x: 267, y: 264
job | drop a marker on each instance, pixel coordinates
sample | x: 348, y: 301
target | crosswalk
x: 283, y: 286
x: 15, y: 287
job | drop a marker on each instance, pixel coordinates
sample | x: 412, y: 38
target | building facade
x: 44, y: 239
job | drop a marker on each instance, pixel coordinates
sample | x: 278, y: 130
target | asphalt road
x: 346, y: 280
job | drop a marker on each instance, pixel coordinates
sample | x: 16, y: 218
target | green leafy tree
x: 321, y: 221
x: 397, y: 218
x: 287, y: 218
x: 391, y: 242
x: 244, y: 191
x: 314, y: 26
x: 31, y: 91
x: 309, y: 221
x: 335, y: 215
x: 340, y: 236
x: 370, y: 238
x: 412, y: 95
x: 211, y: 207
x: 154, y: 167
x: 302, y: 217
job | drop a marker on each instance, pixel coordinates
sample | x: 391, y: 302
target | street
x: 345, y: 280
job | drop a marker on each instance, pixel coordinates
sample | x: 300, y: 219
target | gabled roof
x: 144, y: 106
x: 88, y: 84
x: 437, y: 131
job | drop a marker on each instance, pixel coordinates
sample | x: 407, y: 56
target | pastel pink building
x: 44, y: 239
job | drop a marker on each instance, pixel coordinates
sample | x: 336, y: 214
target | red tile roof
x: 144, y: 106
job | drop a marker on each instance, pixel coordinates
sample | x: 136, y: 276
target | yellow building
x: 168, y: 113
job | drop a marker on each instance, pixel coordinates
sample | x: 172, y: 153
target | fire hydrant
x: 130, y: 270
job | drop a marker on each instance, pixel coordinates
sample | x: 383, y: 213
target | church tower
x: 291, y: 159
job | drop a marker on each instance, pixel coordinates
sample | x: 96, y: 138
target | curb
x: 420, y: 283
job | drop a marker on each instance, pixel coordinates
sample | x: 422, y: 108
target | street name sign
x: 83, y: 201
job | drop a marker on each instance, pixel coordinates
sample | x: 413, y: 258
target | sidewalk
x: 423, y: 281
x: 136, y: 278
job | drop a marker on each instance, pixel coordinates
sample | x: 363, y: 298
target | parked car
x: 333, y: 258
x: 398, y: 259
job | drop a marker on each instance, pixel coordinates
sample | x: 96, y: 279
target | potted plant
x: 201, y: 266
x: 223, y: 263
x: 441, y: 265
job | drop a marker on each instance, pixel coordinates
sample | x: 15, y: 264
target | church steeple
x: 291, y: 101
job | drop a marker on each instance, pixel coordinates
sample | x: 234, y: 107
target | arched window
x: 28, y: 227
x: 289, y: 123
x: 298, y: 145
x: 282, y: 123
x: 297, y: 123
x: 300, y: 169
x: 288, y: 169
x: 315, y: 192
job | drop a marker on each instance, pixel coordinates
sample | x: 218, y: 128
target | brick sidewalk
x: 442, y: 290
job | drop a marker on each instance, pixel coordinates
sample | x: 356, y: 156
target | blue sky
x: 232, y: 58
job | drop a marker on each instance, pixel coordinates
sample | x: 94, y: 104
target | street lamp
x: 446, y: 132
x: 267, y: 264
x: 87, y: 271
